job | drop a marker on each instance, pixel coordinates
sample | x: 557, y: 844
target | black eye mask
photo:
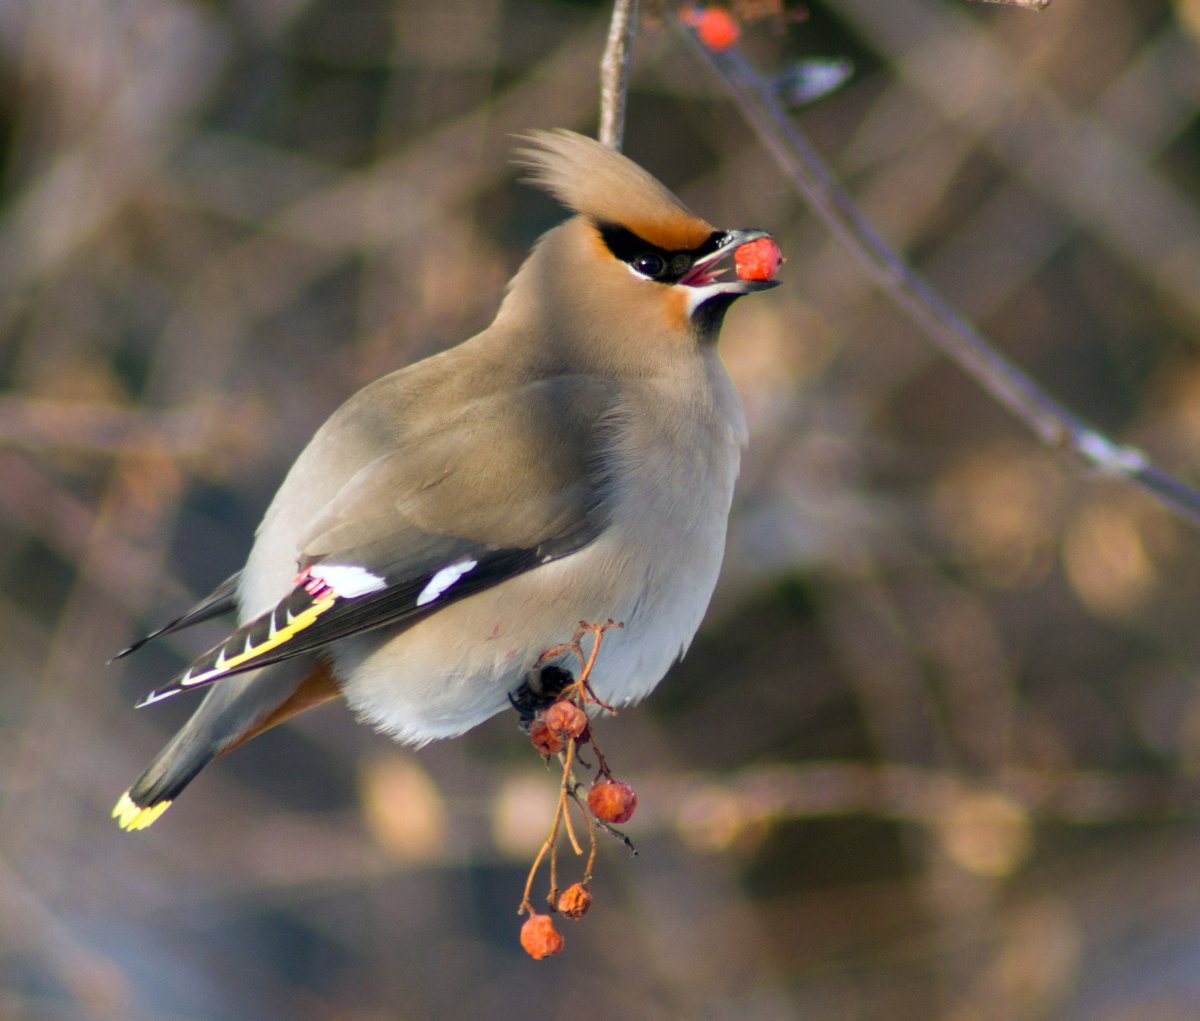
x: 661, y: 265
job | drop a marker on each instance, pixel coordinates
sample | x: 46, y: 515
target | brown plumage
x: 456, y: 518
x: 601, y: 184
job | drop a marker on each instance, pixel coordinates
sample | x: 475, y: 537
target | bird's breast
x: 653, y: 567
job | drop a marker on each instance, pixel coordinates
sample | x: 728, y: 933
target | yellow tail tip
x: 131, y: 817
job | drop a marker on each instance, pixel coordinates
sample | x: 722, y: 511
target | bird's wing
x: 517, y: 480
x: 222, y: 600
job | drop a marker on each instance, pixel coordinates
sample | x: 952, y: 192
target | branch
x: 94, y: 427
x: 1051, y: 421
x: 614, y: 72
x: 1029, y: 5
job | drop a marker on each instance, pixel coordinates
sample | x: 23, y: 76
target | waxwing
x: 457, y: 518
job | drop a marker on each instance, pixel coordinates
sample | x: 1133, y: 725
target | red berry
x: 612, y: 801
x: 717, y: 28
x: 758, y: 260
x: 539, y: 937
x: 544, y: 739
x: 574, y: 901
x: 565, y: 717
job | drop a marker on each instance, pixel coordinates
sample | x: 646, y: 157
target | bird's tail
x: 233, y: 712
x: 162, y: 781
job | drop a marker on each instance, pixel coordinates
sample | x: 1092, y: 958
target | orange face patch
x: 677, y: 308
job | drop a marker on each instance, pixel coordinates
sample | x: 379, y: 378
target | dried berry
x: 612, y: 801
x: 716, y: 27
x: 574, y: 901
x: 565, y: 717
x: 758, y: 260
x: 544, y: 739
x: 539, y: 937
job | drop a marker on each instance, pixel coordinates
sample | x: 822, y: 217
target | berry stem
x: 550, y: 844
x: 581, y: 694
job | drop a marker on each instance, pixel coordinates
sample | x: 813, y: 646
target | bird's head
x: 633, y: 254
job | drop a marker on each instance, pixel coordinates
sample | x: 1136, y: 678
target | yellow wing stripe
x: 275, y: 638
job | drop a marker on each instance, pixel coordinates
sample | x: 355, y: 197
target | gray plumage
x: 573, y: 462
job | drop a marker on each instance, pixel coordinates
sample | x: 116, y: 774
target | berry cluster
x: 720, y: 28
x: 717, y: 28
x: 562, y: 729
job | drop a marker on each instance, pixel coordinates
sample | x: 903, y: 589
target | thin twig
x: 595, y: 845
x: 614, y: 72
x: 567, y: 824
x: 550, y: 845
x: 1029, y: 5
x: 1053, y: 423
x: 96, y: 428
x: 568, y: 790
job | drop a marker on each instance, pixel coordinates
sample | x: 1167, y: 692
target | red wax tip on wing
x: 758, y: 260
x: 716, y: 27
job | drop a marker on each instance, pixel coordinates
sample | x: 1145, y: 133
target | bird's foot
x: 540, y: 689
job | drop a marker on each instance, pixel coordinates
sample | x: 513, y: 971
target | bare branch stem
x: 1051, y: 421
x: 614, y: 72
x: 1029, y: 5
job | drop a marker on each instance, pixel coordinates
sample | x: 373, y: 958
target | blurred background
x: 935, y: 754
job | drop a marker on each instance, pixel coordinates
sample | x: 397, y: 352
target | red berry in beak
x: 758, y: 260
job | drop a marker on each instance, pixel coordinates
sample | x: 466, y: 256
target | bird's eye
x: 649, y: 265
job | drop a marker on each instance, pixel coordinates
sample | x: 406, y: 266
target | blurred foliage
x: 934, y: 755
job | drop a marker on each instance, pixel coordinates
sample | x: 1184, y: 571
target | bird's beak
x: 703, y: 280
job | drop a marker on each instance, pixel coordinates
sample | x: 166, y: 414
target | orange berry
x: 539, y: 937
x: 565, y: 717
x: 758, y: 260
x: 574, y: 901
x: 716, y: 27
x: 544, y: 739
x: 612, y: 801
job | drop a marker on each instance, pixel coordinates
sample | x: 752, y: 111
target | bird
x: 456, y: 518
